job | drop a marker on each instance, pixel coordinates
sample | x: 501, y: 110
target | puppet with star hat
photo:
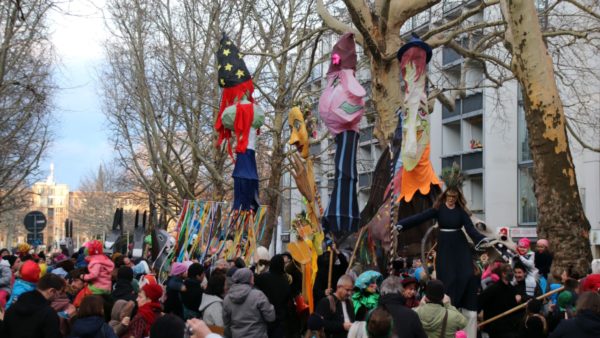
x: 241, y: 117
x: 341, y: 107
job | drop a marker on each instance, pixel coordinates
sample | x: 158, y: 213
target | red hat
x: 30, y: 272
x: 153, y: 291
x: 95, y: 248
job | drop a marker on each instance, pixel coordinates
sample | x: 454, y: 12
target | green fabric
x: 228, y: 116
x: 98, y: 291
x: 432, y: 316
x: 367, y: 300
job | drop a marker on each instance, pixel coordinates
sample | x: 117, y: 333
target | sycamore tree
x: 547, y: 47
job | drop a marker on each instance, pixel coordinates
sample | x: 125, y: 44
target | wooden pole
x: 519, y: 307
x: 360, y: 233
x: 330, y: 267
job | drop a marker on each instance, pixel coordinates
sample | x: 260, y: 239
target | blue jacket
x: 19, y: 288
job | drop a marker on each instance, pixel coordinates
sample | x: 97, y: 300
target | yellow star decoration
x: 228, y: 43
x: 239, y: 73
x: 222, y: 82
x: 226, y: 52
x: 228, y: 67
x: 239, y: 55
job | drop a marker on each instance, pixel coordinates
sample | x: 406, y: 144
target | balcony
x: 473, y: 103
x: 470, y: 106
x: 469, y: 162
x: 366, y: 134
x: 446, y: 113
x: 364, y: 180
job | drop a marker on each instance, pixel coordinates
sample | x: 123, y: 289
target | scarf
x: 368, y: 300
x: 148, y: 312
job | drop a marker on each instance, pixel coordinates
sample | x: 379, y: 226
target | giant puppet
x: 238, y: 116
x: 341, y: 107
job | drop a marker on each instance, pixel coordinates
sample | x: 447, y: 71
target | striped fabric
x: 342, y: 215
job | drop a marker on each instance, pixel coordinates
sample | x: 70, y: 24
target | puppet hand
x: 301, y: 177
x: 399, y: 227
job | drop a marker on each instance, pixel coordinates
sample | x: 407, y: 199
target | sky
x: 81, y: 142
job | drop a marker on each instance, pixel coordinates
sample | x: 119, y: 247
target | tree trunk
x: 386, y: 97
x: 561, y: 218
x: 273, y: 190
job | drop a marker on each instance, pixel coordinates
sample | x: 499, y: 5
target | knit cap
x: 30, y: 272
x: 153, y: 291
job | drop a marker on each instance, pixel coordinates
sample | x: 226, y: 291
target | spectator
x: 496, y: 299
x: 534, y: 325
x: 439, y: 318
x: 337, y: 310
x: 587, y: 321
x: 148, y: 311
x: 100, y: 269
x: 192, y: 297
x: 564, y: 309
x: 592, y: 281
x: 543, y: 257
x: 526, y: 291
x: 5, y: 279
x: 379, y: 323
x: 262, y: 257
x: 123, y: 288
x: 315, y: 327
x: 168, y: 326
x: 406, y: 322
x: 120, y: 316
x: 90, y: 319
x: 211, y: 307
x: 340, y: 265
x: 31, y: 316
x: 29, y: 274
x: 175, y: 286
x: 410, y: 292
x: 246, y: 311
x: 274, y: 284
x: 75, y: 283
x: 366, y: 297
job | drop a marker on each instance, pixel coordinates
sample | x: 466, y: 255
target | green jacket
x: 432, y: 316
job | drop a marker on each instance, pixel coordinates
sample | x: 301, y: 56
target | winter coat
x: 495, y: 300
x: 277, y: 290
x: 585, y: 324
x: 31, y: 317
x: 5, y: 275
x: 191, y: 298
x: 173, y: 303
x: 543, y: 262
x: 211, y: 309
x: 333, y: 316
x: 120, y: 309
x: 406, y: 321
x: 100, y: 268
x: 246, y: 312
x: 91, y: 327
x: 19, y: 288
x: 432, y: 316
x: 123, y: 289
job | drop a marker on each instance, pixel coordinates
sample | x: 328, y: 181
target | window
x: 527, y: 201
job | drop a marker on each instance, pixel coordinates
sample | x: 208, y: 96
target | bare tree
x: 26, y: 88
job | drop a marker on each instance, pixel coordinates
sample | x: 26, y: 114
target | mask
x: 299, y: 134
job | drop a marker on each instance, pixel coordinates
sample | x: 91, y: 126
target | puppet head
x: 342, y: 105
x: 413, y: 57
x: 236, y: 82
x: 299, y: 134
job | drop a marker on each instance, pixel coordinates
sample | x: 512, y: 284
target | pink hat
x: 343, y: 55
x: 179, y: 268
x: 524, y: 242
x: 461, y: 334
x: 543, y: 242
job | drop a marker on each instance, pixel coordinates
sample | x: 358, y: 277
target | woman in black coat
x: 275, y: 285
x: 454, y: 259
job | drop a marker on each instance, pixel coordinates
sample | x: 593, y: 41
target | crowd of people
x: 91, y: 294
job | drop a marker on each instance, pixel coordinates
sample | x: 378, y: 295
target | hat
x: 461, y: 334
x: 30, y: 272
x: 178, y: 269
x: 543, y: 242
x: 153, y: 291
x: 524, y: 242
x: 94, y: 248
x: 315, y: 322
x: 565, y: 300
x: 125, y: 273
x: 434, y: 291
x: 343, y: 54
x: 242, y: 276
x: 415, y: 41
x: 408, y: 281
x: 367, y: 278
x: 232, y: 69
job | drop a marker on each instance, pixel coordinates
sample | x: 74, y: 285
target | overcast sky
x: 81, y: 141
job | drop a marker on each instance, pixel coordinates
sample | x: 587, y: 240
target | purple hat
x: 343, y: 54
x: 179, y: 268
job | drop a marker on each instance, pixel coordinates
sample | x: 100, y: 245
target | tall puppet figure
x: 341, y: 107
x: 239, y: 114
